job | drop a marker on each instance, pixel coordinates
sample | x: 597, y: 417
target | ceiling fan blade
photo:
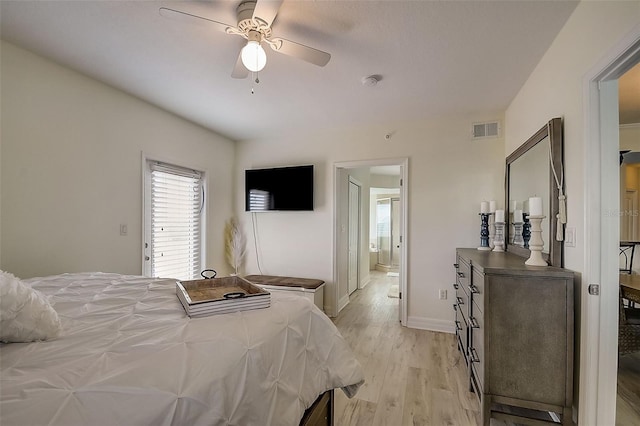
x: 239, y: 71
x: 189, y: 18
x: 266, y: 10
x: 300, y: 51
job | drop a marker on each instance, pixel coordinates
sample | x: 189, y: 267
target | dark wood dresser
x: 515, y: 329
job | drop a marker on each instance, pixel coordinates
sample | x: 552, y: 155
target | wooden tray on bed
x: 220, y: 296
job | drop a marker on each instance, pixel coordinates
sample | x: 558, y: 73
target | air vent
x: 486, y: 130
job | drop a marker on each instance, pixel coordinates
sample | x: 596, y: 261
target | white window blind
x: 176, y: 204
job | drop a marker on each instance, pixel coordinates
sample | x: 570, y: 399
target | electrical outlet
x: 442, y: 294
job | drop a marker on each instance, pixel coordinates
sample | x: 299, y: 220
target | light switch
x: 123, y: 229
x: 570, y: 237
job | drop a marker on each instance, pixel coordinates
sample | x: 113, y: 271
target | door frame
x: 404, y: 247
x: 599, y: 315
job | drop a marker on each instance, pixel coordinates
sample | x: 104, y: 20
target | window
x: 174, y: 204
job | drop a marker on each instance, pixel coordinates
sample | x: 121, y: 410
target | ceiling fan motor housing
x: 247, y: 22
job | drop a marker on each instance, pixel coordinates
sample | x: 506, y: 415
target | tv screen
x: 279, y: 189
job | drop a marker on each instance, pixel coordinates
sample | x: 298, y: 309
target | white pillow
x: 25, y: 314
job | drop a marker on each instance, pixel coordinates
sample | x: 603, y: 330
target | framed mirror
x: 530, y: 173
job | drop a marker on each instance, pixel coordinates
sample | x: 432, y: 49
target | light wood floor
x: 628, y: 406
x: 413, y: 377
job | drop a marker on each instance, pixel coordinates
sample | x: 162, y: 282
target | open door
x: 354, y: 235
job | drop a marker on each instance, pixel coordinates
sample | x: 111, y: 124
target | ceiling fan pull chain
x: 256, y: 80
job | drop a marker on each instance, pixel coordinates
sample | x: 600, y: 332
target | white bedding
x: 129, y: 355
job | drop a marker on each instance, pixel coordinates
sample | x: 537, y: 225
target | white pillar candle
x: 512, y: 206
x: 484, y: 207
x: 492, y: 206
x: 499, y: 215
x: 535, y: 206
x: 517, y: 216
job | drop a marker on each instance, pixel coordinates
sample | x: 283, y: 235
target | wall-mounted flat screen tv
x: 279, y: 189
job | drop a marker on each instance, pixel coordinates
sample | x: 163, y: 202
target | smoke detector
x: 370, y: 81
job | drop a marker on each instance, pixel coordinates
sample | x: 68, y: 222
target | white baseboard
x: 344, y: 301
x: 431, y: 324
x: 364, y: 283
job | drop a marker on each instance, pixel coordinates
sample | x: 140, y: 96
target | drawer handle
x: 460, y: 301
x: 458, y: 328
x: 456, y: 265
x: 474, y: 322
x: 461, y: 274
x: 474, y: 289
x: 474, y: 356
x: 456, y: 286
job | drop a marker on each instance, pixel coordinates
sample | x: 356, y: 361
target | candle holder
x: 536, y: 243
x: 526, y: 230
x: 492, y: 229
x: 484, y: 232
x: 498, y: 241
x: 517, y: 237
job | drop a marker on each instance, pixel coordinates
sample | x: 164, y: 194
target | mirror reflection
x: 529, y: 177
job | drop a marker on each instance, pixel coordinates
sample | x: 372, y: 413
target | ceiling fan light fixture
x: 254, y: 58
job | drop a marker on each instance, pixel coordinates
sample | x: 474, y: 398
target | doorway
x: 628, y: 377
x: 602, y: 179
x: 344, y: 192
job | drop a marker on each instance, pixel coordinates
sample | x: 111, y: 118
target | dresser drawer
x: 463, y: 274
x: 461, y: 302
x: 462, y: 333
x: 476, y: 343
x: 476, y: 289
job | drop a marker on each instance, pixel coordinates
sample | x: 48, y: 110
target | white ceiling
x: 434, y: 57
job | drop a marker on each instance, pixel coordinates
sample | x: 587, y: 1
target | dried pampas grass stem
x: 235, y: 244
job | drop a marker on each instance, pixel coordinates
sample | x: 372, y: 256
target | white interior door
x: 354, y: 235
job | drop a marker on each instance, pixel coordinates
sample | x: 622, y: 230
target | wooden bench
x: 312, y: 289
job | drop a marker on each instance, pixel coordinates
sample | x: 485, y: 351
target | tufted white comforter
x: 129, y: 355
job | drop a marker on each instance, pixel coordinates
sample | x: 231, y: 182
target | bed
x: 128, y: 354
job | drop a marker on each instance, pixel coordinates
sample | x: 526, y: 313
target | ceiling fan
x: 254, y: 24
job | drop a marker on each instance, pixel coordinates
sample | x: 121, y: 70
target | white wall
x: 385, y: 181
x: 448, y: 177
x: 72, y: 170
x: 630, y: 137
x: 556, y: 89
